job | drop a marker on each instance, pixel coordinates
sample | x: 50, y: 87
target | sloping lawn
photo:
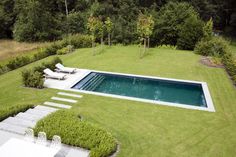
x: 147, y: 130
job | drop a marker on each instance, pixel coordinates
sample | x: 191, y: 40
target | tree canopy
x: 33, y: 20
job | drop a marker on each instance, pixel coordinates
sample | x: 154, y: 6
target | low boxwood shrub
x: 3, y: 69
x: 70, y: 42
x: 7, y: 111
x: 230, y: 64
x: 78, y: 41
x: 216, y: 46
x: 75, y: 132
x: 34, y: 77
x: 18, y: 62
x: 65, y: 50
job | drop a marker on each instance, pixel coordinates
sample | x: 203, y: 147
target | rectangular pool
x: 185, y: 94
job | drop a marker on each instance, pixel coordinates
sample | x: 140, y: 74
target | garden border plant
x: 76, y: 41
x: 34, y: 77
x: 73, y: 131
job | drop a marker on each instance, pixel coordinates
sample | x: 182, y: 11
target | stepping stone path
x: 71, y: 95
x: 28, y: 119
x: 24, y: 120
x: 64, y: 99
x: 57, y: 105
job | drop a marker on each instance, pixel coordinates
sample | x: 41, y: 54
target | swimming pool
x: 179, y: 93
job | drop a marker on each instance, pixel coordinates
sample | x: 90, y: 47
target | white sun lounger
x: 61, y: 68
x: 50, y: 74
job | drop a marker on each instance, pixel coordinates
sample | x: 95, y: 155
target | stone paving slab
x: 29, y: 116
x: 69, y: 94
x: 19, y: 122
x: 37, y: 112
x: 57, y: 105
x: 45, y: 108
x: 64, y: 99
x: 12, y: 128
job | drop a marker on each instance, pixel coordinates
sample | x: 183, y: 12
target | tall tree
x: 109, y: 27
x: 144, y: 29
x: 7, y: 18
x: 34, y: 22
x: 92, y: 26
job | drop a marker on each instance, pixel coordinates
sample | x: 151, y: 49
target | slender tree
x: 109, y: 27
x: 100, y: 29
x: 208, y: 30
x: 92, y: 27
x: 145, y: 26
x: 66, y: 6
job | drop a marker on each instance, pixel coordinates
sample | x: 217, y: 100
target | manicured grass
x: 145, y: 129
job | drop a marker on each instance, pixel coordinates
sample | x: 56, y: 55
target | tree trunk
x: 67, y: 12
x: 144, y: 46
x: 148, y: 42
x: 140, y: 49
x: 101, y: 41
x: 109, y: 39
x: 93, y: 45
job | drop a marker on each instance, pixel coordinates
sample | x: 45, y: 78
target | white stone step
x: 12, y: 128
x: 64, y: 99
x: 19, y: 122
x: 69, y: 94
x: 45, y: 108
x: 57, y: 105
x: 37, y: 112
x: 30, y: 117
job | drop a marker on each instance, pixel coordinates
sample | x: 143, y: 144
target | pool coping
x: 210, y: 105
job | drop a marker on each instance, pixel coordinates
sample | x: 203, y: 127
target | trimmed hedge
x: 34, y: 77
x: 230, y: 66
x: 75, y: 132
x: 75, y: 41
x: 65, y: 50
x: 18, y: 62
x: 7, y: 111
x: 216, y: 46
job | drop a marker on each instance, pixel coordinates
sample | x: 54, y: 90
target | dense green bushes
x: 73, y: 131
x: 67, y: 45
x: 18, y: 62
x: 190, y: 33
x: 218, y: 47
x: 170, y: 20
x: 230, y: 65
x: 7, y: 111
x: 34, y: 77
x: 215, y: 46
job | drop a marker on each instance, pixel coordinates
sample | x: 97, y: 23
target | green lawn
x: 147, y: 130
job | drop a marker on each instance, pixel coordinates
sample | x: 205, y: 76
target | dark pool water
x: 145, y: 88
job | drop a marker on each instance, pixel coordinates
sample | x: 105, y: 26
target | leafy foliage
x: 170, y: 20
x: 18, y: 62
x: 65, y: 50
x: 190, y: 33
x: 217, y: 47
x: 34, y: 77
x: 230, y: 65
x: 76, y: 132
x: 34, y: 22
x: 109, y: 26
x: 208, y: 30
